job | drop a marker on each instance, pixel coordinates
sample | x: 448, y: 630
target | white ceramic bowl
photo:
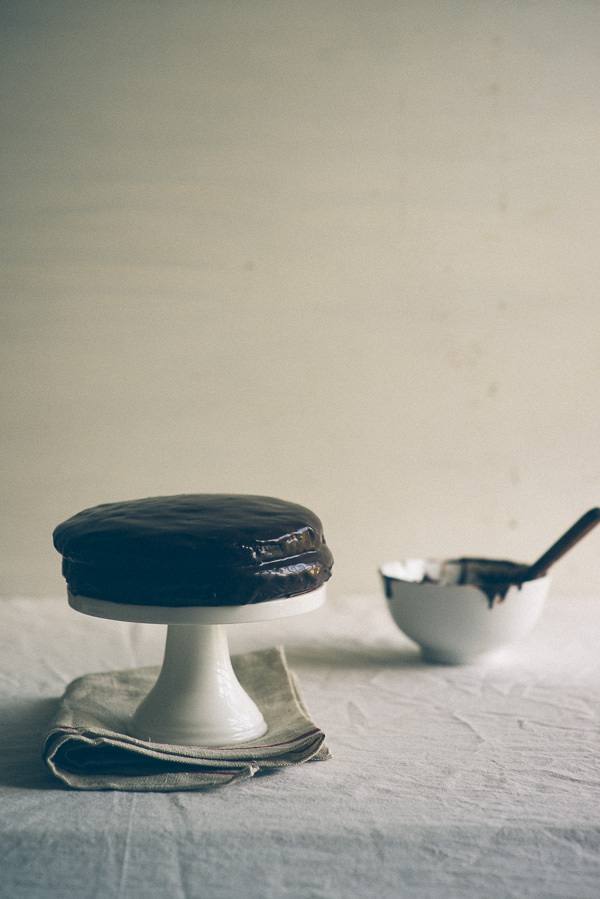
x: 453, y: 623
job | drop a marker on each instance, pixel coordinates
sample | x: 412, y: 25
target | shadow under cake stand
x: 197, y: 699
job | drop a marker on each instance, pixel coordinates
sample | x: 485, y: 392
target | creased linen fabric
x: 88, y: 746
x: 447, y: 782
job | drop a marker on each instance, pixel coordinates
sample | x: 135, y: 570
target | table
x: 451, y: 782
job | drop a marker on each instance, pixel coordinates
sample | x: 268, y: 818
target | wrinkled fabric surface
x: 88, y: 745
x: 444, y: 782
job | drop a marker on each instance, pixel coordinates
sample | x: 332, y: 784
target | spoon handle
x: 563, y: 544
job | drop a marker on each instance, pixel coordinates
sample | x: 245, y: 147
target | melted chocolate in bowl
x: 494, y: 577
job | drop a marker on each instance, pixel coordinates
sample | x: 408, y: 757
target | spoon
x: 581, y: 527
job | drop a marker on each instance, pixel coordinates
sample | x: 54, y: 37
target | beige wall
x: 343, y: 253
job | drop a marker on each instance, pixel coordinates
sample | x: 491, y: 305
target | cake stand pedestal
x: 197, y: 699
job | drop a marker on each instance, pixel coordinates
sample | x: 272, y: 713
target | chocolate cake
x: 194, y: 550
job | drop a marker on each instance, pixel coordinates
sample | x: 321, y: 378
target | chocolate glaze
x: 194, y: 549
x: 494, y: 577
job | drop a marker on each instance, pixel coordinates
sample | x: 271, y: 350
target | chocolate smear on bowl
x: 494, y: 577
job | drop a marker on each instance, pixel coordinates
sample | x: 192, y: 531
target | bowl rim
x: 493, y: 591
x: 433, y: 560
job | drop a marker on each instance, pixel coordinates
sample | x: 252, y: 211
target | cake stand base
x: 197, y: 699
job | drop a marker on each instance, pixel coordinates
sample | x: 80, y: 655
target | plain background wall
x: 343, y: 253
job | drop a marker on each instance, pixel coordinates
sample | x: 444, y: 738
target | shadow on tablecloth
x: 22, y: 726
x: 357, y: 657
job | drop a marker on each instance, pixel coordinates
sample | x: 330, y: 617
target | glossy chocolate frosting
x: 194, y: 549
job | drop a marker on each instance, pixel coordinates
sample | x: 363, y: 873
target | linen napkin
x: 88, y: 747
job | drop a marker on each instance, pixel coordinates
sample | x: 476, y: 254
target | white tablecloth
x: 446, y: 782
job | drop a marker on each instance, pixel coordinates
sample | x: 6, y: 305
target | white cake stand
x: 197, y: 699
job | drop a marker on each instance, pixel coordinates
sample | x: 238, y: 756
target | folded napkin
x: 87, y: 745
